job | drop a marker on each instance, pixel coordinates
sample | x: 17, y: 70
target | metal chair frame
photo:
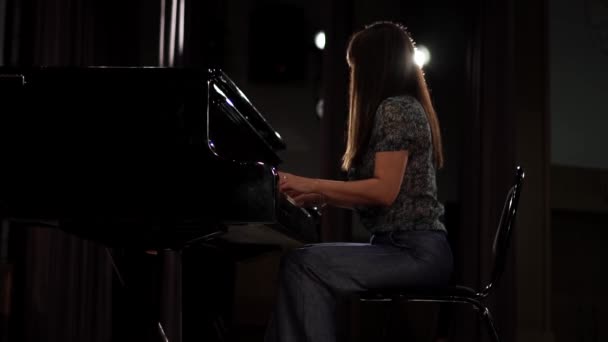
x: 461, y: 294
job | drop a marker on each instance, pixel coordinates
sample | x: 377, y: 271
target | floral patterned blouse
x: 401, y: 124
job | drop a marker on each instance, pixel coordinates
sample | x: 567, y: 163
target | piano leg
x: 170, y: 325
x: 147, y: 298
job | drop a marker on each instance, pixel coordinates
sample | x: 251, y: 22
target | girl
x: 392, y: 153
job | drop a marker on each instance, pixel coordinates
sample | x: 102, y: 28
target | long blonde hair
x: 381, y: 61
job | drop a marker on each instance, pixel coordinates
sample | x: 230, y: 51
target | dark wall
x: 578, y: 81
x: 579, y: 280
x: 578, y: 60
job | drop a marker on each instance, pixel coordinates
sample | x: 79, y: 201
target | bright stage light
x: 422, y: 56
x: 320, y: 40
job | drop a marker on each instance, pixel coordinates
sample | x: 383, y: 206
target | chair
x: 462, y: 294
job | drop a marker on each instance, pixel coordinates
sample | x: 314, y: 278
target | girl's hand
x: 309, y: 200
x: 295, y: 185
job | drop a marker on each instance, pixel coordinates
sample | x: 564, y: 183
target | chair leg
x: 490, y: 323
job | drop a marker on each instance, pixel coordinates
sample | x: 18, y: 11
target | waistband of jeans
x: 390, y: 235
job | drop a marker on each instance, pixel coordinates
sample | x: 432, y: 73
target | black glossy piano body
x: 152, y: 157
x: 145, y: 159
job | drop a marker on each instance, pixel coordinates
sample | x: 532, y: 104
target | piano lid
x: 159, y: 105
x: 243, y: 104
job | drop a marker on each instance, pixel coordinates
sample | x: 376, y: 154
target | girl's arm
x: 380, y: 190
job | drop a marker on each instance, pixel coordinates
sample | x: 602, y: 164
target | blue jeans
x: 312, y: 278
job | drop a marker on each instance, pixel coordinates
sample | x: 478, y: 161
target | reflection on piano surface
x: 144, y: 158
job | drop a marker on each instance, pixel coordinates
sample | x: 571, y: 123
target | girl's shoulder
x: 402, y: 105
x: 402, y: 99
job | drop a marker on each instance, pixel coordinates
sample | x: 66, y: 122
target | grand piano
x: 144, y: 158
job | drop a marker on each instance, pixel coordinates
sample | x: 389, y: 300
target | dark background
x: 514, y: 82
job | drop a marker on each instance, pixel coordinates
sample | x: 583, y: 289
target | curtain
x: 62, y: 284
x: 488, y: 164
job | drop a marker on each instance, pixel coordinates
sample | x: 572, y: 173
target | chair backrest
x: 502, y: 238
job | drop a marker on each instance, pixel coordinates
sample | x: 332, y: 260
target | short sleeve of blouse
x: 397, y: 124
